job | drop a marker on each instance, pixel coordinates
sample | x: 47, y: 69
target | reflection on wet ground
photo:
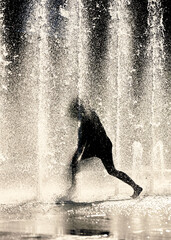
x: 143, y: 218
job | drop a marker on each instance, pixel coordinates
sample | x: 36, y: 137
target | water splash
x: 3, y: 91
x: 3, y: 60
x: 155, y: 95
x: 119, y: 74
x: 44, y: 61
x: 156, y: 57
x: 3, y: 51
x: 37, y: 27
x: 56, y: 89
x: 83, y: 84
x: 137, y: 150
x: 158, y: 157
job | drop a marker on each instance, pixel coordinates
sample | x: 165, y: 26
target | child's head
x: 76, y: 109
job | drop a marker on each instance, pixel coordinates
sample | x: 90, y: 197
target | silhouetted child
x: 93, y: 142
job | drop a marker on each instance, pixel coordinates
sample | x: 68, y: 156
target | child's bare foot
x: 137, y: 192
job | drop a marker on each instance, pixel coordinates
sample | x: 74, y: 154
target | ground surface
x: 143, y: 218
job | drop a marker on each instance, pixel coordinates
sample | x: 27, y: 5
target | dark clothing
x: 93, y: 138
x: 92, y: 135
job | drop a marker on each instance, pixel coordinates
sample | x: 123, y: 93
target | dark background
x: 17, y: 11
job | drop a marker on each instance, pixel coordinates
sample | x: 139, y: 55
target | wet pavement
x: 144, y: 218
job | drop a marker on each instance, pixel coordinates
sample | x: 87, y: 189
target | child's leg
x: 74, y: 169
x: 109, y: 166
